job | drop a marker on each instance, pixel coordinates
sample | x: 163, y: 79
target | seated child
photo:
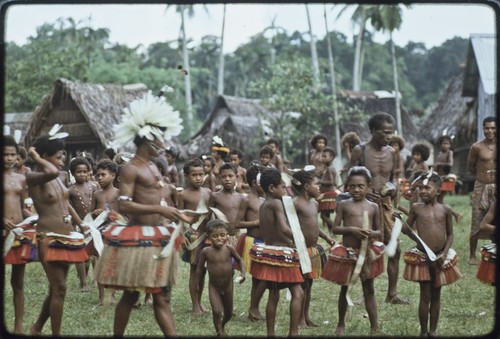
x: 220, y: 273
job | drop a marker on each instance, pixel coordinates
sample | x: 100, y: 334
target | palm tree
x: 314, y: 52
x: 359, y: 17
x: 220, y: 83
x: 275, y: 30
x: 389, y: 17
x: 334, y: 88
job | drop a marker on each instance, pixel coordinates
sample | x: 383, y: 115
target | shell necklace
x: 85, y: 206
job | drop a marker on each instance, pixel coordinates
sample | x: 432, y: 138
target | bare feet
x: 255, y: 316
x: 34, y: 331
x: 148, y: 300
x: 137, y: 304
x: 473, y: 261
x: 84, y: 288
x: 198, y: 311
x: 458, y: 216
x: 397, y: 300
x: 311, y: 323
x: 339, y: 331
x: 424, y: 334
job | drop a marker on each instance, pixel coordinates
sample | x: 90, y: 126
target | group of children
x: 248, y: 227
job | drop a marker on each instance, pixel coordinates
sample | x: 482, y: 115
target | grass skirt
x: 128, y: 259
x: 328, y: 202
x: 487, y: 266
x: 418, y: 268
x: 24, y: 248
x: 243, y: 247
x: 63, y: 248
x: 275, y: 263
x: 342, y: 261
x: 318, y: 260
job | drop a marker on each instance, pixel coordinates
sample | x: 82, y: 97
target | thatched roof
x: 370, y: 103
x: 100, y: 105
x: 17, y: 121
x: 236, y: 120
x: 454, y: 114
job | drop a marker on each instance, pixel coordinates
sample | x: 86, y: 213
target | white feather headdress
x: 150, y: 117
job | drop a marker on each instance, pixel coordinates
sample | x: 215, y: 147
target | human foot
x: 255, y: 316
x: 360, y: 301
x: 397, y: 300
x: 458, y: 216
x: 339, y: 331
x: 473, y: 261
x: 311, y: 323
x: 84, y: 288
x: 35, y: 331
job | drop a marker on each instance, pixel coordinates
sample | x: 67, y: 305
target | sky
x: 135, y: 24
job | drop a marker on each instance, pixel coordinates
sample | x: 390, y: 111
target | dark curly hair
x: 300, y: 178
x: 359, y: 170
x: 43, y: 145
x: 270, y: 176
x: 107, y: 164
x: 422, y: 149
x: 316, y: 138
x: 252, y: 172
x: 193, y: 162
x: 399, y: 140
x: 78, y: 161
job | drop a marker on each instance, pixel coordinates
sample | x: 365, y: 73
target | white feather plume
x: 146, y: 117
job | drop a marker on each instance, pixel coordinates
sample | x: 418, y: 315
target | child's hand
x: 330, y: 241
x: 360, y: 233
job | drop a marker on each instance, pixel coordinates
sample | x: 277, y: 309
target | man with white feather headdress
x: 135, y: 256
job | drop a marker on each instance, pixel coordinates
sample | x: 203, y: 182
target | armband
x: 124, y: 198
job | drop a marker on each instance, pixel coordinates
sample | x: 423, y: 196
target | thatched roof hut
x: 453, y: 115
x: 238, y: 121
x: 86, y: 111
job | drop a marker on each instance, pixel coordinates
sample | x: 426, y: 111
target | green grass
x: 467, y: 306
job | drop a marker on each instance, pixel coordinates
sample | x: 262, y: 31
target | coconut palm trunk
x: 314, y: 52
x: 332, y: 82
x: 399, y: 124
x: 220, y: 82
x: 185, y: 60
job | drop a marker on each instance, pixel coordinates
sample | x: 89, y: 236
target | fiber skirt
x: 275, y: 263
x: 24, y: 247
x: 487, y: 266
x: 342, y: 261
x: 328, y: 202
x: 130, y: 261
x: 62, y: 248
x: 243, y: 247
x: 418, y: 268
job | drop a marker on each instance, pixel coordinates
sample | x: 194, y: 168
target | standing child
x: 307, y: 212
x: 420, y: 153
x: 318, y: 143
x: 227, y: 200
x: 248, y: 217
x: 80, y: 197
x: 433, y: 224
x: 265, y: 156
x: 328, y: 187
x: 218, y: 259
x: 344, y: 256
x: 443, y: 165
x: 235, y: 156
x: 171, y: 155
x: 189, y: 199
x: 276, y: 261
x: 14, y: 192
x: 209, y: 179
x: 276, y: 159
x: 398, y: 143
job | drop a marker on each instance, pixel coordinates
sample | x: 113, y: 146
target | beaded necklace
x: 85, y: 206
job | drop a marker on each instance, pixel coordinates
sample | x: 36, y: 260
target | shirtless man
x: 14, y: 193
x: 380, y: 159
x: 481, y: 163
x: 139, y: 199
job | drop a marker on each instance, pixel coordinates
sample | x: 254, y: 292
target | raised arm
x: 48, y: 171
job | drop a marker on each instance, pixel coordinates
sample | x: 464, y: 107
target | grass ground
x: 467, y: 306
